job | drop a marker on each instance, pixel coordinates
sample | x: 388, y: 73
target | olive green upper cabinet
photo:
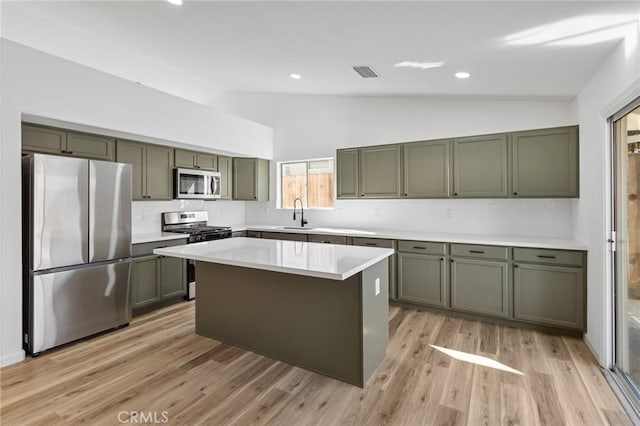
x: 54, y: 141
x: 250, y: 179
x: 159, y: 172
x: 226, y: 179
x: 426, y: 169
x: 135, y: 154
x: 480, y: 167
x: 184, y: 158
x: 193, y: 159
x: 347, y: 169
x: 43, y: 139
x: 91, y: 146
x: 380, y: 171
x: 152, y: 168
x: 545, y: 163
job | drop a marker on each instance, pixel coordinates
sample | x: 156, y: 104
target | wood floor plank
x: 485, y: 398
x: 553, y: 346
x: 593, y: 378
x: 510, y: 354
x: 456, y: 393
x: 534, y: 359
x: 545, y: 397
x: 577, y: 407
x: 445, y: 416
x: 515, y: 406
x: 158, y: 365
x: 445, y: 338
x: 489, y: 338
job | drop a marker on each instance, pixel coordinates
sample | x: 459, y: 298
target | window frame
x: 279, y: 197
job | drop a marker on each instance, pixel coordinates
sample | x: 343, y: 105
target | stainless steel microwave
x: 196, y: 184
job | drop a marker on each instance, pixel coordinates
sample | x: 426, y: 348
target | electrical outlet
x: 376, y: 212
x: 448, y: 213
x: 377, y: 286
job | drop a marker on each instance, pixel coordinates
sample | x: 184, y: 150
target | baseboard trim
x: 12, y: 358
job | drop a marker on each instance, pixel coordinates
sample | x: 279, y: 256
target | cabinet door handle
x: 442, y: 259
x: 372, y: 244
x: 69, y: 152
x: 515, y: 266
x: 515, y: 193
x: 476, y: 251
x: 544, y: 256
x: 455, y: 194
x: 419, y: 248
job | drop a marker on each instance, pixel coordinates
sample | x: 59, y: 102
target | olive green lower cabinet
x: 480, y: 279
x: 479, y: 286
x: 422, y: 273
x: 156, y: 280
x: 550, y: 292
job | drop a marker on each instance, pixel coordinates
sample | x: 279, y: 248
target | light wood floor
x: 158, y: 364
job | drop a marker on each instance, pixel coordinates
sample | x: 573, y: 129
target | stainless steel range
x: 194, y: 224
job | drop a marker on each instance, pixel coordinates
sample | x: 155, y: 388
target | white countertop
x: 331, y: 261
x: 148, y: 237
x: 513, y: 241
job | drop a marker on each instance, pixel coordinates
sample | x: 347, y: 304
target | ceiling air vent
x: 365, y: 71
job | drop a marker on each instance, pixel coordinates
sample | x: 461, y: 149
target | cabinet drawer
x: 559, y: 257
x: 284, y: 236
x: 483, y: 252
x: 373, y: 242
x: 254, y: 234
x: 145, y: 249
x: 422, y: 247
x: 329, y: 239
x: 236, y: 234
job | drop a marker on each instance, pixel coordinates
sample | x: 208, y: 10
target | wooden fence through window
x: 320, y: 189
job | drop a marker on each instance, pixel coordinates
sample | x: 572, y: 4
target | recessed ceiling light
x: 295, y: 76
x: 176, y: 2
x: 462, y: 75
x: 419, y: 65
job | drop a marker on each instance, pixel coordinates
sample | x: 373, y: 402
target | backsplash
x: 146, y: 215
x: 523, y: 217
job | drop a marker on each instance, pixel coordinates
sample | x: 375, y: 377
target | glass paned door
x: 627, y: 254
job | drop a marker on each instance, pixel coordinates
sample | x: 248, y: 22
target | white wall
x: 614, y: 85
x: 314, y: 126
x: 146, y: 215
x: 38, y: 84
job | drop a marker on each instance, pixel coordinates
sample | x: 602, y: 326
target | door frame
x: 627, y: 392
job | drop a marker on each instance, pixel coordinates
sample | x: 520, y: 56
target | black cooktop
x: 203, y: 229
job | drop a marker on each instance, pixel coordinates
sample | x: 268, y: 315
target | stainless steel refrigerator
x: 76, y: 248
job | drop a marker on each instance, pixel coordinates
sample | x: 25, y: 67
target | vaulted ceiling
x: 202, y: 48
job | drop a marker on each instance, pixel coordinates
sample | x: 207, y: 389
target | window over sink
x: 313, y: 181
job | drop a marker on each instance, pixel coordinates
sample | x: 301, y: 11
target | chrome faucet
x: 303, y: 222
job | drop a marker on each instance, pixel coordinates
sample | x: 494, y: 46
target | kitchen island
x: 322, y: 307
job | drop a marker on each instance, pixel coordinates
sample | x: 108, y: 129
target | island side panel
x: 375, y: 313
x: 310, y: 322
